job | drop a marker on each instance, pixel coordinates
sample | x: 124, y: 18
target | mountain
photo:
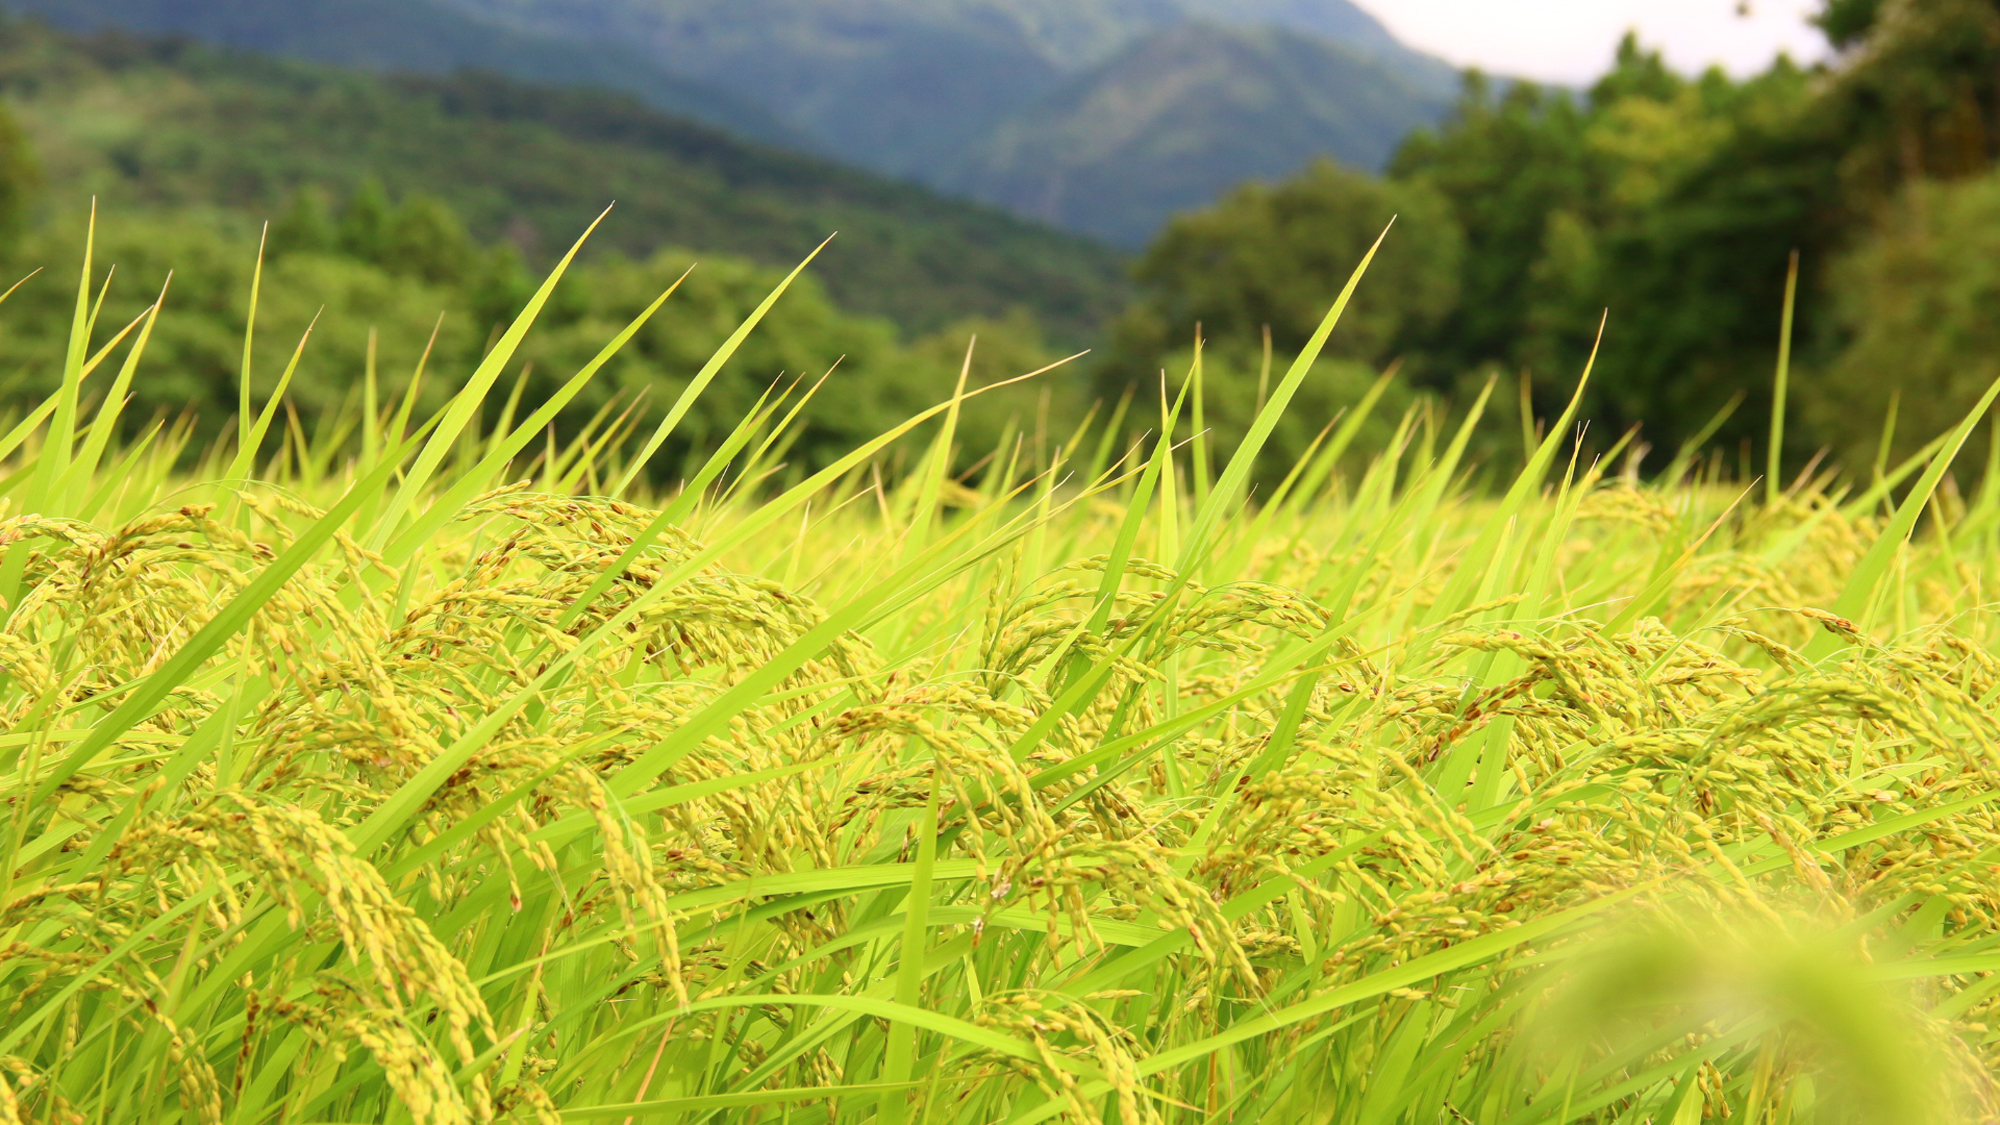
x: 1180, y: 116
x: 957, y: 94
x: 419, y: 36
x: 168, y: 123
x: 1079, y: 34
x: 901, y: 86
x: 896, y: 84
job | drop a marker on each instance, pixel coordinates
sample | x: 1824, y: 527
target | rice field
x: 428, y: 770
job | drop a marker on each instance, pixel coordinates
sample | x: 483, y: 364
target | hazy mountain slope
x: 902, y: 86
x: 1341, y: 22
x: 164, y: 123
x: 1070, y: 34
x: 919, y: 86
x: 1175, y: 119
x: 415, y: 35
x: 1038, y: 105
x: 1335, y: 19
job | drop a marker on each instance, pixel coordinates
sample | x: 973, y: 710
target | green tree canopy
x: 1914, y: 303
x: 400, y: 270
x: 1673, y: 203
x: 20, y: 177
x: 1271, y: 258
x: 1274, y: 256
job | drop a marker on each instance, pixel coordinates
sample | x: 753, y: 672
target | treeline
x: 1674, y: 204
x: 401, y: 278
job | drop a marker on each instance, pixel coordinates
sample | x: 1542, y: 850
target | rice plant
x: 425, y: 770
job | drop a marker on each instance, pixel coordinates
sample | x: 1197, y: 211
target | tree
x: 1525, y: 188
x: 1693, y: 260
x: 19, y: 180
x: 1847, y: 22
x: 425, y: 239
x: 1913, y: 303
x: 1916, y: 95
x: 364, y: 226
x: 305, y: 226
x: 1274, y: 256
x: 1672, y: 203
x: 194, y: 352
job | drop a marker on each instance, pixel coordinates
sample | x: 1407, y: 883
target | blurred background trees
x: 405, y: 272
x: 1672, y: 201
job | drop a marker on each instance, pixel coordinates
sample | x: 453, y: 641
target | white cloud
x: 1573, y: 40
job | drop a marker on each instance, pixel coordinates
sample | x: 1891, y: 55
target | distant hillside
x: 1180, y: 116
x: 414, y: 35
x: 715, y: 37
x: 170, y: 123
x: 958, y: 92
x: 902, y: 86
x: 1335, y: 19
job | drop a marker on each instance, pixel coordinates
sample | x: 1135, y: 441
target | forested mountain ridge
x: 1067, y: 35
x: 947, y: 91
x: 159, y: 123
x: 965, y: 95
x: 418, y: 36
x: 1183, y: 115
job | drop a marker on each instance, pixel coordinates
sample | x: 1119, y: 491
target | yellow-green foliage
x: 379, y: 788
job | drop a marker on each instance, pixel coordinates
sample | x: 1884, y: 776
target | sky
x: 1572, y: 41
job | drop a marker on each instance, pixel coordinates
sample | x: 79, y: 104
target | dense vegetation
x: 1520, y: 222
x: 1673, y: 202
x: 399, y: 285
x: 169, y: 125
x: 424, y: 771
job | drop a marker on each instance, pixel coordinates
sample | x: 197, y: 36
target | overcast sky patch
x: 1572, y: 41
